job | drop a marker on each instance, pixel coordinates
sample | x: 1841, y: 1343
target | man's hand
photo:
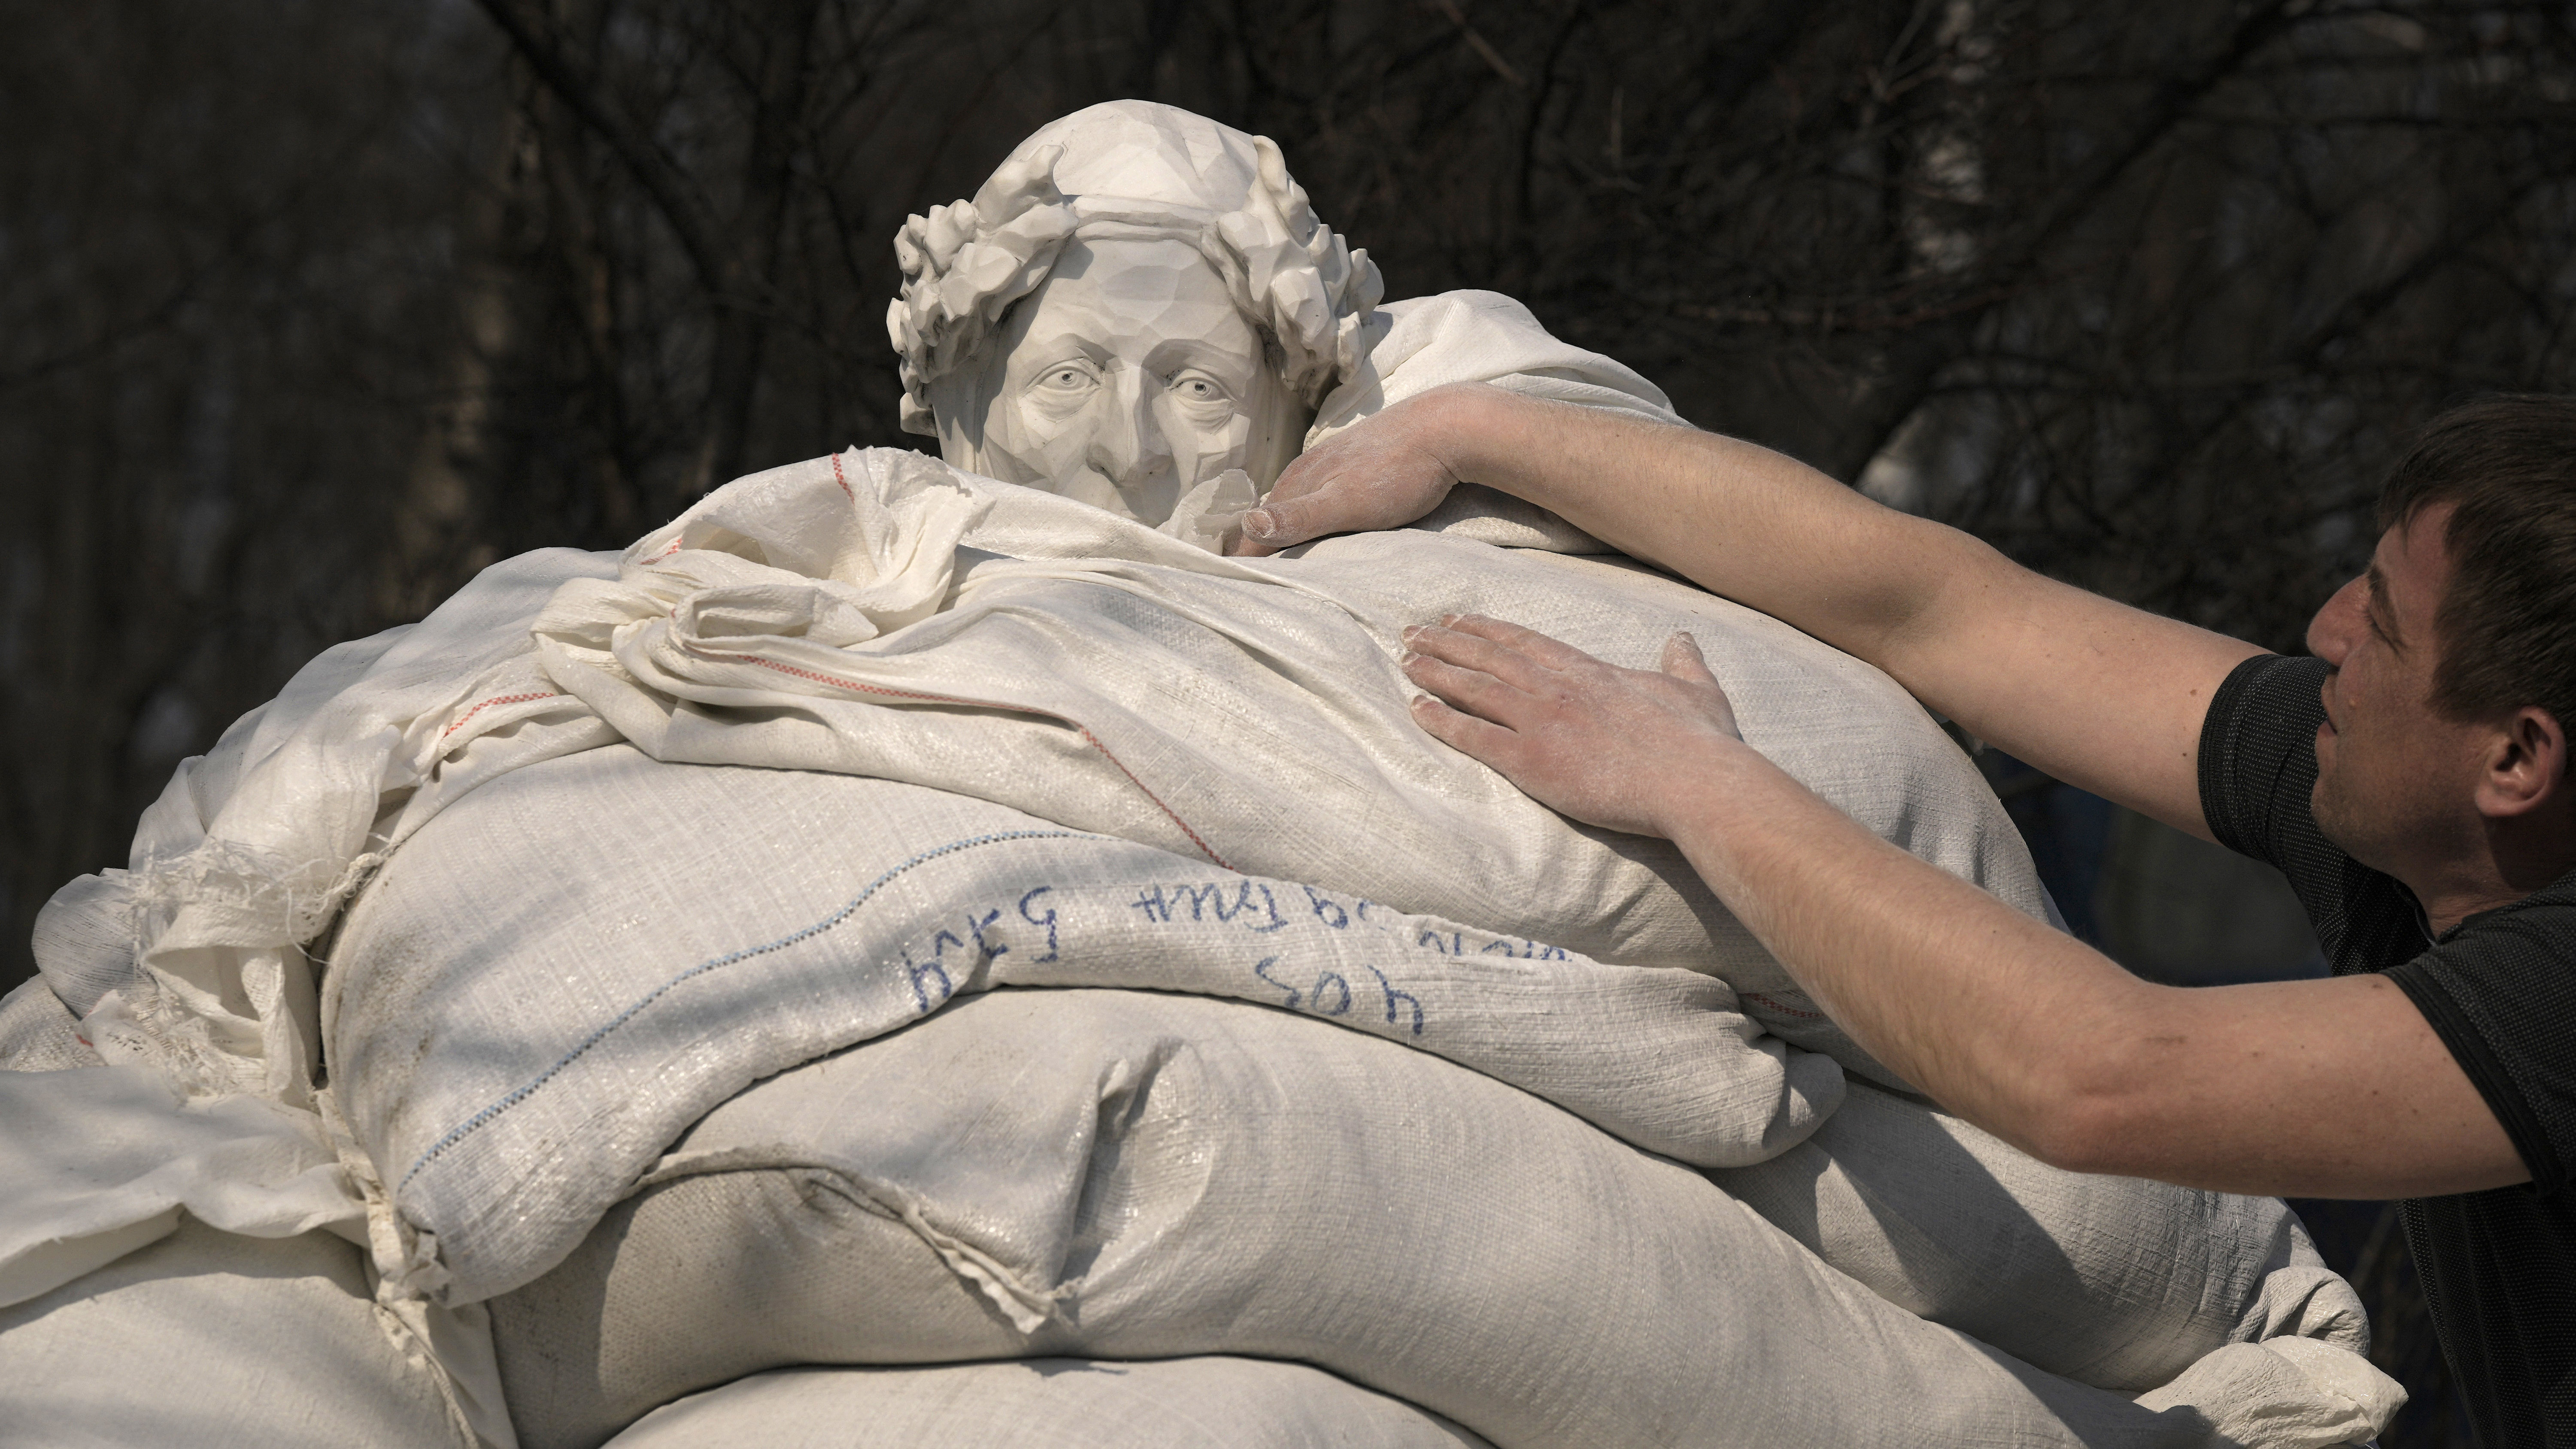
x: 1583, y: 737
x: 1382, y: 472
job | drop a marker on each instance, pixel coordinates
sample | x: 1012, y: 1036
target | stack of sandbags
x: 1023, y: 1169
x: 1131, y: 1175
x: 1011, y: 678
x: 1123, y: 974
x: 558, y: 976
x: 1409, y: 1131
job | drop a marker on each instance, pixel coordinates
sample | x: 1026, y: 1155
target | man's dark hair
x: 2508, y: 625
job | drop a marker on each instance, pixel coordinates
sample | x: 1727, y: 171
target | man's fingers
x: 1250, y: 535
x: 1474, y: 651
x: 1553, y: 653
x: 1471, y: 689
x: 1482, y: 740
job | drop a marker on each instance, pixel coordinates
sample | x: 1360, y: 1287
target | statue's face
x: 1126, y: 378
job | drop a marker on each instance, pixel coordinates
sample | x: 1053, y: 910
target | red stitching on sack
x: 844, y: 482
x: 1783, y: 1008
x: 1094, y: 741
x: 487, y: 704
x: 1088, y: 737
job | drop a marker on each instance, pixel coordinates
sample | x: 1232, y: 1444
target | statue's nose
x: 1128, y: 447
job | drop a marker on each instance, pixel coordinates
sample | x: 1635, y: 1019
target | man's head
x: 2445, y: 747
x: 1138, y: 300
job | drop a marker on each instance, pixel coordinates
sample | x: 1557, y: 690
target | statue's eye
x: 1198, y: 387
x: 1067, y: 378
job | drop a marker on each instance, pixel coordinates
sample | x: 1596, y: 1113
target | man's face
x: 1127, y: 377
x: 2396, y: 778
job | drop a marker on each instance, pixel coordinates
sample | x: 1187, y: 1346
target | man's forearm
x: 2106, y: 696
x: 1990, y: 1012
x: 2327, y: 1088
x: 1758, y: 526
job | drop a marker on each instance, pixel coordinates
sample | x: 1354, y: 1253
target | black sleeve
x: 2258, y: 755
x: 2500, y: 990
x: 2258, y: 763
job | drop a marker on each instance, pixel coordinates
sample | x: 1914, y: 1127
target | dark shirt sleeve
x: 2258, y: 756
x: 2258, y: 763
x: 2499, y: 989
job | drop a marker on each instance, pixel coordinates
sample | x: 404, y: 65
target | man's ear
x: 2525, y: 765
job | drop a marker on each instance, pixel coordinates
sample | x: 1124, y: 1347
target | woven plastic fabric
x: 173, y: 1331
x: 2117, y: 1281
x: 1115, y: 1174
x: 40, y: 1034
x: 98, y: 1161
x: 514, y: 1058
x: 1047, y: 1403
x: 209, y: 1338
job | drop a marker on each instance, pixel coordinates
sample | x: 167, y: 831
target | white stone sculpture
x: 1137, y: 302
x: 1140, y: 310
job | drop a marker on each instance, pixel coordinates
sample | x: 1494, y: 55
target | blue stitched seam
x: 521, y: 1094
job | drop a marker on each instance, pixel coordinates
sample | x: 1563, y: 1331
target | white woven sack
x: 209, y: 1338
x: 97, y: 1160
x: 198, y: 1336
x: 1129, y: 1175
x: 1048, y: 1403
x: 2115, y: 1281
x: 569, y: 966
x: 656, y: 872
x: 38, y: 1033
x: 877, y: 614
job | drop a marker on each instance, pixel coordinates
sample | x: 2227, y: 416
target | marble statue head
x: 1138, y: 301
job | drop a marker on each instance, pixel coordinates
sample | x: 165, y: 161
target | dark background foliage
x: 310, y: 308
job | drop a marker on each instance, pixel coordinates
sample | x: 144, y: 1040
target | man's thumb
x: 1264, y: 525
x: 1682, y: 659
x: 1279, y: 524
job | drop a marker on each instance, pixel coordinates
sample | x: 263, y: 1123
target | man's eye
x: 1193, y: 387
x: 1065, y: 379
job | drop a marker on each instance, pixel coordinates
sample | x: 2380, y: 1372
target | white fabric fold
x: 100, y: 1161
x: 251, y: 850
x: 1425, y: 342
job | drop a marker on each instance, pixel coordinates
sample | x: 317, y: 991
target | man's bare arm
x: 2324, y: 1088
x: 2104, y: 696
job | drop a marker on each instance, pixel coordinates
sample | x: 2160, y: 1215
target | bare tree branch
x: 682, y: 205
